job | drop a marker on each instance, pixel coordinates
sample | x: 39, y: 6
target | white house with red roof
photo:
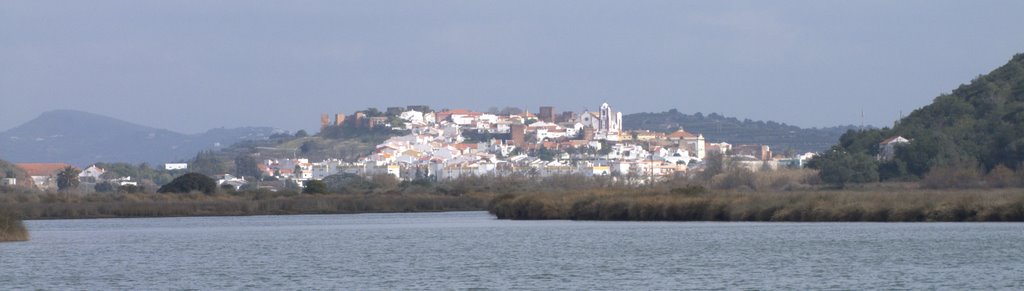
x: 887, y: 148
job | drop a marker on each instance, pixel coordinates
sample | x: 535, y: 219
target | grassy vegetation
x: 742, y: 195
x: 108, y: 205
x: 733, y: 195
x: 801, y: 205
x: 11, y: 228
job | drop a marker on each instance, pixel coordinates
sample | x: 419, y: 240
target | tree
x: 840, y: 167
x: 291, y: 184
x: 190, y: 182
x: 310, y: 146
x: 245, y: 166
x: 714, y: 164
x: 301, y: 133
x: 208, y: 163
x: 546, y: 154
x: 892, y: 170
x: 606, y: 148
x: 315, y: 187
x: 397, y: 122
x: 68, y: 178
x: 349, y: 184
x: 510, y: 111
x: 104, y: 187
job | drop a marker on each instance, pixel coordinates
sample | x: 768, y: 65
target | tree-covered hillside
x: 981, y: 123
x: 715, y: 127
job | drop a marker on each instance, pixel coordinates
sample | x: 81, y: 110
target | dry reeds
x: 847, y: 205
x: 52, y: 206
x: 11, y: 228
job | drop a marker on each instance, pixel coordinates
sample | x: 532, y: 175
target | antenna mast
x: 862, y: 118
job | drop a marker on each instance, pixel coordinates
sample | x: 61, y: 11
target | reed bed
x: 58, y: 206
x: 798, y: 206
x: 11, y: 228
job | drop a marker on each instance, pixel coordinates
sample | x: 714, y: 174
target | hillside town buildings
x: 445, y: 144
x: 451, y: 143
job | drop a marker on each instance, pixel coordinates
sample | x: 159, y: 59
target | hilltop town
x: 424, y: 144
x: 448, y: 144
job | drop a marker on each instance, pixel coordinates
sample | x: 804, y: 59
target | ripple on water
x: 473, y: 250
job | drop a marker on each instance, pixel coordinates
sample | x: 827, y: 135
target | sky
x: 189, y: 66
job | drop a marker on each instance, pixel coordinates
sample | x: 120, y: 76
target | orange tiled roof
x: 681, y: 134
x: 42, y: 169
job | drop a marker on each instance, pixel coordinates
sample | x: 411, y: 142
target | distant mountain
x: 715, y: 127
x: 81, y: 138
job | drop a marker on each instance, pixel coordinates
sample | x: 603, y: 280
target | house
x: 395, y: 170
x: 124, y: 181
x: 175, y: 166
x: 44, y: 175
x: 674, y: 155
x: 413, y: 117
x: 379, y: 121
x: 761, y: 152
x: 646, y: 135
x: 8, y: 182
x: 91, y: 174
x: 228, y: 179
x: 694, y: 142
x: 721, y: 148
x: 887, y: 148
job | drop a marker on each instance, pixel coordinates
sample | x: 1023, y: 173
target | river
x: 461, y: 250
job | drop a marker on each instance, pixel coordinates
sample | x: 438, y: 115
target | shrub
x: 131, y: 189
x: 190, y: 182
x: 689, y: 190
x: 1002, y: 177
x: 948, y: 177
x: 104, y: 187
x: 735, y: 178
x: 839, y: 167
x: 11, y: 228
x: 315, y: 187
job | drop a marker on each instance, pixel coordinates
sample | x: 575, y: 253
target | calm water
x: 474, y: 250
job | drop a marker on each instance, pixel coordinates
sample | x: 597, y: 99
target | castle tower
x: 547, y: 114
x: 339, y: 119
x: 519, y: 135
x: 324, y: 120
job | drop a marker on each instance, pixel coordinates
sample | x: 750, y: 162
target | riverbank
x: 907, y: 205
x: 11, y: 228
x: 884, y: 202
x: 71, y: 206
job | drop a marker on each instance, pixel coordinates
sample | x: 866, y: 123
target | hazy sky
x: 193, y: 65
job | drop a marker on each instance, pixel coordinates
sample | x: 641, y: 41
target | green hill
x: 716, y: 127
x: 981, y: 122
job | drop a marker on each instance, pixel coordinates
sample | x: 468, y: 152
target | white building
x: 607, y: 124
x: 91, y: 174
x: 887, y: 148
x: 326, y: 168
x: 228, y: 179
x: 175, y: 166
x: 413, y: 117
